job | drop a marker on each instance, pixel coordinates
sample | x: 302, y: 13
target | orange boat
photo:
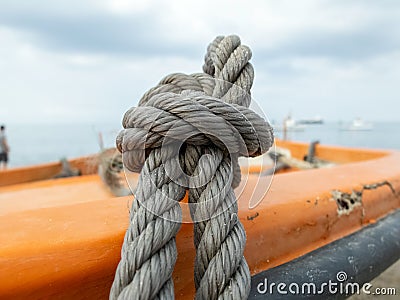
x: 61, y: 238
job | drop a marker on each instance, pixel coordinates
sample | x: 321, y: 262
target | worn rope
x: 149, y: 252
x: 221, y: 270
x: 199, y: 124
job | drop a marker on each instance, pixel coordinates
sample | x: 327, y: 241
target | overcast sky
x: 92, y: 60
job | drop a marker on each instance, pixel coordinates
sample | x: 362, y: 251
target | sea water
x: 384, y: 135
x: 40, y: 143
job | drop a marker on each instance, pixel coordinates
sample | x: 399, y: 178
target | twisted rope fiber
x: 211, y: 118
x: 149, y: 251
x: 220, y: 268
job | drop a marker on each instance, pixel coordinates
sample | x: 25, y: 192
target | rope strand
x: 149, y: 253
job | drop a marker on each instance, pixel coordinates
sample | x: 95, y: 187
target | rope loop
x: 192, y: 118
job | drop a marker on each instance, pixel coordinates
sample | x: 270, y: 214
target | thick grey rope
x: 167, y: 114
x: 220, y: 268
x: 149, y: 253
x: 219, y: 237
x: 230, y: 123
x: 228, y: 62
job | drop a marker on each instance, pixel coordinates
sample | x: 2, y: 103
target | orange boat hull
x: 61, y: 239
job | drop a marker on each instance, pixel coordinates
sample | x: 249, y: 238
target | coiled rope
x: 187, y: 133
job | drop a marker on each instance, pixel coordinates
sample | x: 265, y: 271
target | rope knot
x: 193, y: 118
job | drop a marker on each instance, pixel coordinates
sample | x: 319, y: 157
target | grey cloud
x: 92, y: 30
x: 351, y: 46
x: 354, y: 45
x: 99, y: 33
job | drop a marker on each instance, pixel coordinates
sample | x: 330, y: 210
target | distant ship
x: 289, y: 125
x: 358, y: 125
x: 315, y: 120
